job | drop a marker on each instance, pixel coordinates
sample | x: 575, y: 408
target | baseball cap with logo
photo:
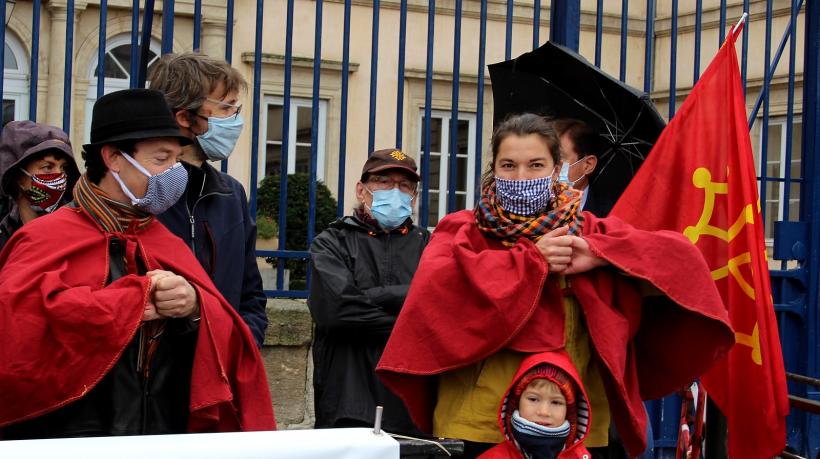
x: 388, y: 159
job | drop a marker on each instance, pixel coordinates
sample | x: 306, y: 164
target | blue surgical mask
x: 524, y: 197
x: 390, y: 207
x: 563, y: 176
x: 164, y: 189
x: 220, y: 139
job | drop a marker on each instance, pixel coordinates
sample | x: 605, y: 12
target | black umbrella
x: 557, y: 82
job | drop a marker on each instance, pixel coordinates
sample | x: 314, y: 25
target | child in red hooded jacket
x: 545, y: 414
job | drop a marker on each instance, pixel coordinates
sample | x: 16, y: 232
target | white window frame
x: 444, y: 175
x: 797, y: 120
x: 16, y: 82
x: 111, y: 84
x: 295, y: 103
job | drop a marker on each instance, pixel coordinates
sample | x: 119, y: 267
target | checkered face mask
x: 164, y: 189
x: 524, y: 197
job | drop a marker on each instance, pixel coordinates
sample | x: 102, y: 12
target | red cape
x: 472, y: 297
x: 507, y: 449
x: 62, y: 329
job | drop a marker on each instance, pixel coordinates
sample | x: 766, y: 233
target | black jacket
x: 360, y: 277
x: 212, y: 218
x: 9, y: 222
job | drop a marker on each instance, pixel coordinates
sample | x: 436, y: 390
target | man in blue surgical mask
x: 579, y: 147
x: 361, y: 269
x: 212, y: 215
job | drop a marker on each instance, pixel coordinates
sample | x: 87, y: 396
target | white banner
x: 359, y: 443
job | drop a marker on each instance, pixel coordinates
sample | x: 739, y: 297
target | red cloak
x: 62, y: 328
x: 472, y: 297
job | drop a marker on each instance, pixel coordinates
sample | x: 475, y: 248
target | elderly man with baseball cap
x: 108, y: 324
x: 361, y: 269
x: 37, y: 173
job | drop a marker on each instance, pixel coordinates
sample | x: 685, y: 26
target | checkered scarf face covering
x: 509, y: 227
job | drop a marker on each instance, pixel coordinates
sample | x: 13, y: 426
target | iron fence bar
x: 599, y: 31
x: 698, y: 31
x: 101, y: 48
x: 778, y: 53
x: 35, y: 59
x: 744, y: 49
x: 453, y: 166
x: 283, y: 163
x: 624, y: 30
x: 340, y: 194
x: 428, y: 113
x: 536, y: 24
x: 650, y: 46
x: 2, y: 53
x: 135, y: 30
x: 229, y: 33
x: 69, y: 65
x: 810, y: 194
x: 764, y: 129
x: 479, y: 113
x: 565, y: 23
x: 790, y: 117
x: 314, y: 119
x: 228, y: 53
x: 197, y: 23
x: 400, y: 78
x: 145, y: 43
x: 374, y: 71
x: 722, y: 24
x: 257, y: 96
x: 673, y: 56
x: 167, y: 26
x: 509, y: 29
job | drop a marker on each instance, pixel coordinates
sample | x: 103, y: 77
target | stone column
x: 56, y: 63
x: 213, y: 37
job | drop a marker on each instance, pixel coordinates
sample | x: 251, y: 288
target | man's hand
x: 556, y: 248
x: 171, y: 296
x: 583, y: 259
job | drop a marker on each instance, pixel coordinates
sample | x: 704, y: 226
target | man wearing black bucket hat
x: 108, y: 323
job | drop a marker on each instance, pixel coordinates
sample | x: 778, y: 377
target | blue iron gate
x: 787, y: 184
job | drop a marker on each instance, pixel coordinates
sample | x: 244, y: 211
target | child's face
x: 543, y: 403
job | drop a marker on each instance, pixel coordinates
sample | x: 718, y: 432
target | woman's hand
x: 583, y: 259
x: 556, y: 248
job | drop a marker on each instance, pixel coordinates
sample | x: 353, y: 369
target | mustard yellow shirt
x: 469, y: 398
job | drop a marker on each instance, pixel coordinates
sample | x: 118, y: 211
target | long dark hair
x: 522, y: 125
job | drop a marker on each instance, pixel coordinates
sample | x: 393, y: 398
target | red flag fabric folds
x: 699, y: 180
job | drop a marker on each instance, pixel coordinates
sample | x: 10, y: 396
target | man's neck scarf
x: 113, y: 216
x: 508, y: 227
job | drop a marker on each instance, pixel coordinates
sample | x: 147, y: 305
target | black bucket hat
x: 22, y: 140
x: 132, y: 114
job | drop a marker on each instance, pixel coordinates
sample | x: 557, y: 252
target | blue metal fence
x: 796, y: 238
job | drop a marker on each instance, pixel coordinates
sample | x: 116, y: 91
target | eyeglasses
x: 381, y: 182
x: 237, y: 109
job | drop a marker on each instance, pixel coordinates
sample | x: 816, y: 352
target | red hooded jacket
x: 472, y: 297
x: 62, y: 328
x: 508, y: 449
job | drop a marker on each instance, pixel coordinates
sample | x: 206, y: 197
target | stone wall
x: 288, y: 362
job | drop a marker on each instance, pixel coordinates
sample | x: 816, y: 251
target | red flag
x: 700, y: 180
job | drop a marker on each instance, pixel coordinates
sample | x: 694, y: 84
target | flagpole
x: 740, y: 22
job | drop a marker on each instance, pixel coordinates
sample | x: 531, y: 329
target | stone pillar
x: 56, y: 63
x: 57, y: 58
x: 213, y: 37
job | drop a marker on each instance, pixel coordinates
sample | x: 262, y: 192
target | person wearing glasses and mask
x: 212, y: 216
x: 108, y: 324
x: 37, y: 173
x: 361, y: 269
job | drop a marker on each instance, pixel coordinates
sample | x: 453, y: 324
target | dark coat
x: 360, y: 277
x: 212, y: 218
x: 9, y: 220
